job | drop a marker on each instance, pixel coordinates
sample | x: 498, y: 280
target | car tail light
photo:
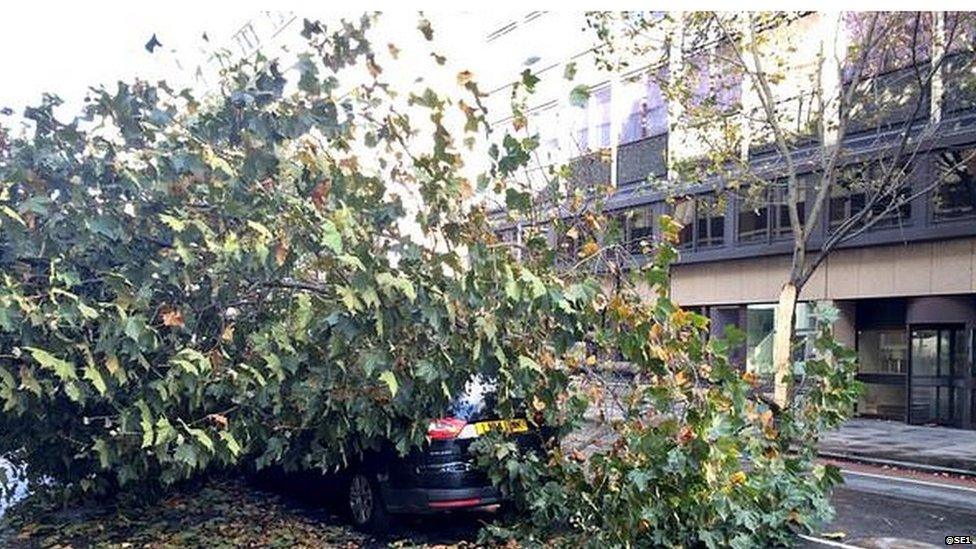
x: 445, y: 428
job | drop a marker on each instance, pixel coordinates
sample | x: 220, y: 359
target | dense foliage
x: 187, y: 281
x: 292, y: 269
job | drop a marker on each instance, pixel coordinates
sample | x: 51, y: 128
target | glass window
x: 711, y: 222
x: 759, y: 338
x: 600, y: 118
x: 641, y: 229
x: 855, y: 186
x: 760, y: 322
x: 716, y: 78
x: 753, y: 219
x: 883, y: 400
x: 648, y: 111
x: 892, y: 40
x: 882, y: 352
x: 684, y: 213
x: 781, y: 226
x: 955, y: 196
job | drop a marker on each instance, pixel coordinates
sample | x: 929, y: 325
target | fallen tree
x: 292, y: 269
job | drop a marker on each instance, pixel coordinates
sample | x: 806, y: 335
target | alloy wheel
x: 360, y: 499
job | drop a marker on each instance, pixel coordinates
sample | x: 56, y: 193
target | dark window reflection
x: 955, y: 196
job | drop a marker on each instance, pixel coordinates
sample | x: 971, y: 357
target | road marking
x: 829, y: 543
x: 909, y: 480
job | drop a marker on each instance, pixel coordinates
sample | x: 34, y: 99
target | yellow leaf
x: 739, y: 477
x: 589, y: 249
x: 112, y: 364
x: 538, y: 404
x: 173, y: 318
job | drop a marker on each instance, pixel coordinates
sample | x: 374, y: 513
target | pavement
x: 895, y: 443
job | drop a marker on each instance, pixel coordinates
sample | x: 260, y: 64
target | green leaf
x: 537, y: 288
x: 388, y: 280
x: 164, y: 431
x: 390, y: 379
x: 186, y: 453
x: 352, y: 261
x: 331, y: 236
x: 87, y: 311
x: 146, y: 423
x: 13, y: 215
x: 260, y: 229
x: 348, y: 297
x: 528, y: 363
x: 231, y: 442
x: 63, y: 369
x: 529, y: 80
x: 174, y: 223
x: 569, y: 72
x: 92, y: 374
x: 203, y: 438
x: 579, y: 96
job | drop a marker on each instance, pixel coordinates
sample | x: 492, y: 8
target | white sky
x: 64, y: 48
x: 45, y: 47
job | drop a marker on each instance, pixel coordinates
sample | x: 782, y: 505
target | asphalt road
x: 883, y: 508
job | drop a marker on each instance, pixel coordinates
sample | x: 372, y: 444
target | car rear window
x: 476, y: 401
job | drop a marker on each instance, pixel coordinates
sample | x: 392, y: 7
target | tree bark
x: 782, y: 343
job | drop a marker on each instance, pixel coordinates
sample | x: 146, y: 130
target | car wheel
x: 366, y: 506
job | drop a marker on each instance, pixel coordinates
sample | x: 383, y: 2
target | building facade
x: 906, y: 288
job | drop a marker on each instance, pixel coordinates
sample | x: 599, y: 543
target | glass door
x: 937, y: 365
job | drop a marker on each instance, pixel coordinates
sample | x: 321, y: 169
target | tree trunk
x: 782, y: 343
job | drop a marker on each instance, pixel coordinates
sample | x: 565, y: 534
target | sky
x: 45, y: 47
x: 63, y: 48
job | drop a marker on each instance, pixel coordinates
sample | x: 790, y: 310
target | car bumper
x: 426, y: 500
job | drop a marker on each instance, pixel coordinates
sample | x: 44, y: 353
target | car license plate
x: 503, y: 425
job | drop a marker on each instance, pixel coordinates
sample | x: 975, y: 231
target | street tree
x: 809, y: 119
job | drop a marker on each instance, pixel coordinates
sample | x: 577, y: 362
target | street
x: 883, y: 507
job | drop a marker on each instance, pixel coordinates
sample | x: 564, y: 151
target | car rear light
x: 445, y: 428
x: 454, y: 503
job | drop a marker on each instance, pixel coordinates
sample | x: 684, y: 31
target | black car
x: 441, y: 476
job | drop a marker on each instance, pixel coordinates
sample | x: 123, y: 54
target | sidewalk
x: 898, y: 443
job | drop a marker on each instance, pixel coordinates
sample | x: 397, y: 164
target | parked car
x: 442, y: 475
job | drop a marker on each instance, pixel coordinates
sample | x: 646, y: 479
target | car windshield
x: 476, y: 400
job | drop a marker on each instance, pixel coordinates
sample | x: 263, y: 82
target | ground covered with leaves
x: 223, y: 513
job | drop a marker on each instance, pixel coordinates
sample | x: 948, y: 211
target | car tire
x: 365, y: 505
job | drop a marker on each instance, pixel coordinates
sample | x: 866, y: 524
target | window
x: 882, y: 352
x: 602, y: 117
x: 640, y: 229
x: 507, y: 235
x: 760, y: 323
x: 702, y: 221
x: 684, y: 213
x: 717, y: 79
x: 590, y: 123
x: 648, y: 110
x: 882, y: 363
x: 896, y: 40
x: 781, y: 226
x: 857, y: 185
x: 888, y: 89
x: 754, y: 218
x: 711, y: 222
x: 764, y: 213
x: 959, y: 92
x: 955, y: 196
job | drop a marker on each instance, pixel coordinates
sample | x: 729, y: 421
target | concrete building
x: 906, y: 288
